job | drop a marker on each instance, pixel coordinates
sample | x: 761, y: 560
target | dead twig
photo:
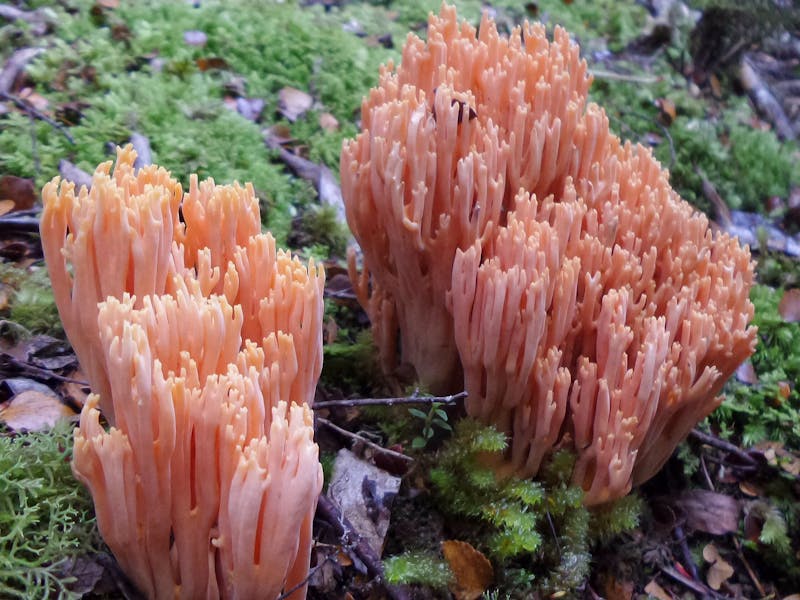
x: 305, y: 580
x: 330, y: 513
x: 715, y: 442
x: 36, y: 113
x: 453, y: 398
x: 613, y: 76
x: 72, y: 172
x: 697, y: 587
x: 363, y: 440
x: 14, y: 66
x: 144, y: 155
x: 765, y: 102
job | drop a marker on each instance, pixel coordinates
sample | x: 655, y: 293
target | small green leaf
x: 418, y: 413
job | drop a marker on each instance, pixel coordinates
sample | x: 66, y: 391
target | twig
x: 330, y: 513
x: 305, y: 580
x: 696, y: 586
x: 765, y: 102
x: 715, y: 442
x: 144, y: 155
x: 611, y: 75
x: 72, y: 172
x: 34, y: 112
x: 680, y: 536
x: 16, y: 223
x: 736, y: 543
x: 363, y: 440
x: 391, y: 401
x: 14, y: 66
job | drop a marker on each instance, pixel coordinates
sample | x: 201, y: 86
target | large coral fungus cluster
x: 509, y: 236
x: 203, y: 344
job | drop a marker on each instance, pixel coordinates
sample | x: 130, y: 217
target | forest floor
x: 266, y: 92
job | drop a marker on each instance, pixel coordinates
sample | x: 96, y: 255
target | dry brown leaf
x: 746, y: 373
x: 472, y: 571
x: 19, y: 189
x: 328, y: 122
x: 6, y: 206
x: 616, y: 589
x: 789, y: 307
x: 719, y: 570
x: 212, y: 63
x: 710, y: 512
x: 294, y: 103
x: 34, y: 409
x: 792, y: 597
x: 655, y: 590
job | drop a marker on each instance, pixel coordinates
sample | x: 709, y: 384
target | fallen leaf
x: 710, y: 512
x: 32, y: 410
x: 37, y: 101
x: 750, y: 489
x: 328, y: 122
x: 789, y: 307
x: 666, y: 111
x: 250, y: 108
x: 616, y: 589
x: 212, y: 63
x: 746, y: 373
x: 719, y: 570
x: 6, y: 206
x: 472, y: 571
x: 19, y: 189
x: 655, y: 590
x: 195, y: 38
x: 294, y: 103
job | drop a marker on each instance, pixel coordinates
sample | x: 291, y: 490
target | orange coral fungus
x: 207, y: 486
x: 448, y: 139
x: 592, y: 308
x: 203, y: 345
x: 125, y: 235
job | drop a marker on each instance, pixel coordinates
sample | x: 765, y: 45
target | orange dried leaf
x: 789, y: 307
x: 655, y: 590
x: 294, y: 103
x: 472, y: 571
x: 719, y: 570
x: 33, y: 410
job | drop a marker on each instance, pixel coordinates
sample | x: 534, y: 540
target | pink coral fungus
x: 203, y: 345
x: 508, y: 235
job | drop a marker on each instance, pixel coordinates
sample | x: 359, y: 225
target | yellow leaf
x: 472, y: 571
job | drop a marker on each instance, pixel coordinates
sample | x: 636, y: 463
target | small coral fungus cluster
x: 513, y: 245
x: 203, y: 345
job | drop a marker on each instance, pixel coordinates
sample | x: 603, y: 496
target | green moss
x: 31, y: 302
x: 764, y: 411
x: 45, y: 515
x: 419, y: 568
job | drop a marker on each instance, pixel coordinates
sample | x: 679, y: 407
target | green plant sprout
x: 436, y: 417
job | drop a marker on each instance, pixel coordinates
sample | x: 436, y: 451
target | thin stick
x: 715, y: 442
x: 363, y: 440
x: 29, y: 108
x: 696, y: 586
x: 391, y: 401
x: 305, y: 580
x: 612, y: 76
x: 330, y: 513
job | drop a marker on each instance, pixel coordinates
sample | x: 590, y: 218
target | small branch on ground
x: 715, y: 442
x: 14, y: 66
x: 144, y: 155
x: 20, y: 222
x: 361, y: 439
x: 305, y: 580
x: 765, y: 102
x: 697, y: 587
x: 35, y: 113
x: 330, y: 513
x: 452, y: 399
x: 72, y: 172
